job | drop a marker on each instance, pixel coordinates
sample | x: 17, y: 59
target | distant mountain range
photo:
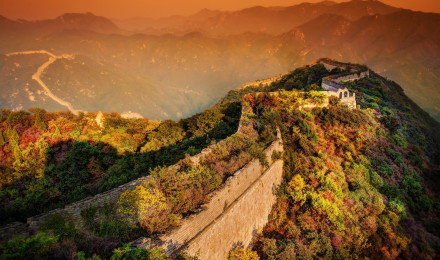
x: 270, y: 20
x: 176, y: 66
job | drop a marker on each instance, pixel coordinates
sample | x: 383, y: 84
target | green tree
x: 36, y: 247
x: 17, y: 117
x: 39, y: 123
x: 207, y: 121
x: 127, y: 253
x: 57, y: 133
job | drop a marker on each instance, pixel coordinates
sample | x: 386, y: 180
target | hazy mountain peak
x: 328, y: 3
x: 84, y: 20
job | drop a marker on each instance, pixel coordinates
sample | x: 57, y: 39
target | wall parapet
x: 73, y: 211
x: 224, y: 203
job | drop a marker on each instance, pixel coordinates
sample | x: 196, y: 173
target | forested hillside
x: 50, y: 159
x: 360, y: 182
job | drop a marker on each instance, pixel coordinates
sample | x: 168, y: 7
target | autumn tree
x: 146, y: 205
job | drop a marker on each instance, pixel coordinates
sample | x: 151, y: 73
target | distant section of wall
x: 220, y: 201
x: 263, y: 82
x: 352, y: 77
x: 335, y: 89
x: 331, y: 64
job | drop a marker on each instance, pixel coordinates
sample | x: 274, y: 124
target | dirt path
x: 41, y: 69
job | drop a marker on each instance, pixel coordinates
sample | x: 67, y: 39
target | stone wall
x: 330, y: 85
x: 73, y: 211
x: 219, y: 202
x: 16, y: 228
x: 238, y: 224
x: 352, y: 77
x: 331, y: 64
x: 263, y: 82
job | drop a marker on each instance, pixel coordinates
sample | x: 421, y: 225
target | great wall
x: 233, y: 214
x: 250, y: 190
x: 262, y: 82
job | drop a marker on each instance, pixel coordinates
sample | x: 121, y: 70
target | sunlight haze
x: 35, y: 10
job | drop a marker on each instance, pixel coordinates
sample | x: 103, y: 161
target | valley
x: 41, y: 69
x: 220, y: 51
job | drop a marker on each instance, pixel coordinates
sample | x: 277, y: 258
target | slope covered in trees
x: 50, y: 159
x: 358, y: 182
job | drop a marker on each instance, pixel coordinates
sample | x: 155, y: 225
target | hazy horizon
x: 114, y: 9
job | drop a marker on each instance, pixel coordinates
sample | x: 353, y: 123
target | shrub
x: 386, y: 169
x: 397, y: 206
x: 391, y: 123
x: 412, y: 186
x: 127, y: 253
x: 88, y: 214
x: 240, y: 253
x: 35, y: 247
x: 399, y: 140
x: 256, y: 151
x: 17, y: 117
x: 146, y: 205
x: 396, y: 156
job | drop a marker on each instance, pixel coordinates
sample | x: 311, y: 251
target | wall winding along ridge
x: 242, y: 205
x: 238, y: 224
x: 73, y: 210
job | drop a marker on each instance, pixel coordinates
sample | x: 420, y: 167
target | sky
x: 123, y: 9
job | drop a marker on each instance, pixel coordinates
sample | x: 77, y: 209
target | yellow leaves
x: 243, y: 254
x: 316, y: 96
x: 136, y: 203
x: 296, y: 130
x: 349, y: 156
x: 329, y: 209
x: 219, y: 152
x: 296, y: 189
x: 297, y: 183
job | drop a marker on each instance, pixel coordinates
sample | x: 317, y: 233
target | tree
x: 39, y: 115
x: 39, y: 123
x: 57, y: 133
x: 39, y: 246
x: 333, y: 101
x: 17, y: 117
x: 391, y: 123
x: 240, y: 253
x: 207, y: 121
x: 127, y: 253
x: 146, y: 205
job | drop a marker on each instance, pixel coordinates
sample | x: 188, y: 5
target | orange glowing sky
x: 42, y: 9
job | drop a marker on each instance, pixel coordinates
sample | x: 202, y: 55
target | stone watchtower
x: 334, y: 89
